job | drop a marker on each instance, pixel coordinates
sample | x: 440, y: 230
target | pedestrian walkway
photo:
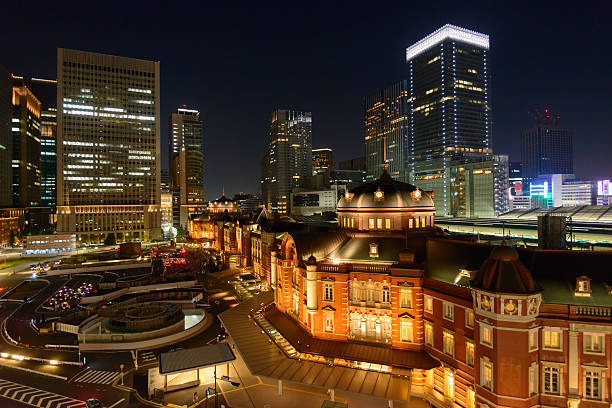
x: 96, y: 377
x: 36, y: 397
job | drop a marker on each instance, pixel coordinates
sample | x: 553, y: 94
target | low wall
x: 104, y: 268
x: 152, y: 343
x: 137, y: 289
x: 130, y: 337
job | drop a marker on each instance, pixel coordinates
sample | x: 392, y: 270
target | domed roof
x: 386, y: 193
x: 504, y: 272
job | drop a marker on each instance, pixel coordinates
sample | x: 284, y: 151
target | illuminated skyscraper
x: 386, y: 132
x: 322, y: 167
x: 25, y: 127
x: 290, y: 157
x: 6, y: 144
x: 449, y: 106
x: 186, y: 161
x: 108, y: 146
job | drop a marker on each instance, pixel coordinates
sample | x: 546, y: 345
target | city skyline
x: 335, y: 75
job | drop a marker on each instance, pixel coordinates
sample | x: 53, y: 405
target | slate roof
x: 198, y: 357
x: 358, y: 249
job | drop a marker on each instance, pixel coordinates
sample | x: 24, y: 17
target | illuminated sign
x: 538, y: 189
x: 604, y: 188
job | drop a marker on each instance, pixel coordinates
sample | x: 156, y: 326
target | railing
x: 595, y: 311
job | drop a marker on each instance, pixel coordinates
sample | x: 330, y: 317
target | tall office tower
x: 449, y: 86
x: 386, y: 129
x: 515, y: 174
x: 350, y: 173
x: 290, y: 157
x: 186, y: 161
x: 322, y: 166
x: 546, y: 147
x: 25, y: 127
x: 108, y: 146
x: 6, y: 138
x: 46, y: 91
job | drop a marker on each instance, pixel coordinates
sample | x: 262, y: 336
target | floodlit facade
x: 288, y: 162
x: 449, y: 106
x: 322, y: 167
x: 463, y: 324
x: 6, y: 136
x: 186, y: 160
x: 108, y: 146
x: 386, y: 128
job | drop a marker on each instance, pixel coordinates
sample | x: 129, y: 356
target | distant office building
x: 247, y: 202
x: 519, y: 202
x: 515, y: 175
x: 577, y: 192
x: 165, y: 180
x: 6, y: 142
x: 386, y: 127
x: 350, y: 173
x: 546, y: 147
x: 479, y: 187
x: 25, y: 128
x: 561, y: 190
x: 108, y: 147
x: 322, y: 166
x: 449, y: 106
x: 46, y: 91
x: 288, y: 165
x: 186, y: 161
x: 315, y: 201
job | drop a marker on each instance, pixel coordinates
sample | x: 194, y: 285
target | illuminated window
x: 551, y: 380
x: 328, y: 292
x: 388, y: 223
x: 470, y: 398
x: 429, y: 378
x: 329, y: 321
x: 592, y: 384
x: 406, y: 298
x: 406, y: 331
x: 486, y: 334
x: 448, y: 343
x: 469, y: 318
x: 533, y: 378
x: 583, y: 286
x: 428, y: 303
x: 533, y: 339
x: 469, y: 353
x: 352, y: 223
x: 449, y: 384
x: 429, y: 334
x: 486, y: 373
x: 593, y: 343
x: 379, y: 223
x: 410, y: 223
x: 371, y: 223
x: 552, y: 338
x: 449, y: 311
x: 373, y: 250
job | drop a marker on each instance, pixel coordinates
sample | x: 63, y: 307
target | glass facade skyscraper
x: 386, y: 132
x: 449, y: 106
x: 289, y: 157
x: 6, y: 142
x: 186, y: 161
x: 108, y: 146
x: 546, y: 147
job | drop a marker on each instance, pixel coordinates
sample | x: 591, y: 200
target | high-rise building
x: 46, y: 91
x: 386, y: 129
x: 6, y: 138
x: 479, y: 187
x: 350, y: 173
x: 186, y: 161
x: 108, y: 146
x: 515, y: 175
x: 322, y: 166
x: 289, y: 157
x: 449, y: 106
x: 25, y: 127
x: 546, y: 147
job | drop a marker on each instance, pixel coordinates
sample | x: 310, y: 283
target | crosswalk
x: 96, y: 377
x: 36, y: 397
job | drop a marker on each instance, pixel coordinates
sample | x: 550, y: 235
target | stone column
x: 573, y: 362
x: 273, y: 269
x: 311, y: 285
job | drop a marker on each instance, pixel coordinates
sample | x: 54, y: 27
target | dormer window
x: 373, y: 250
x: 583, y: 286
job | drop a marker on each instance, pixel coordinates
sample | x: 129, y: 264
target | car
x: 93, y: 403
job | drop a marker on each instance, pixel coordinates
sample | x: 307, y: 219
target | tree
x: 110, y: 239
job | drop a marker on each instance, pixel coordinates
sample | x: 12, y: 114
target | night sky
x: 238, y: 61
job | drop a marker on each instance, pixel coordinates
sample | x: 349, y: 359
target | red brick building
x: 469, y: 324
